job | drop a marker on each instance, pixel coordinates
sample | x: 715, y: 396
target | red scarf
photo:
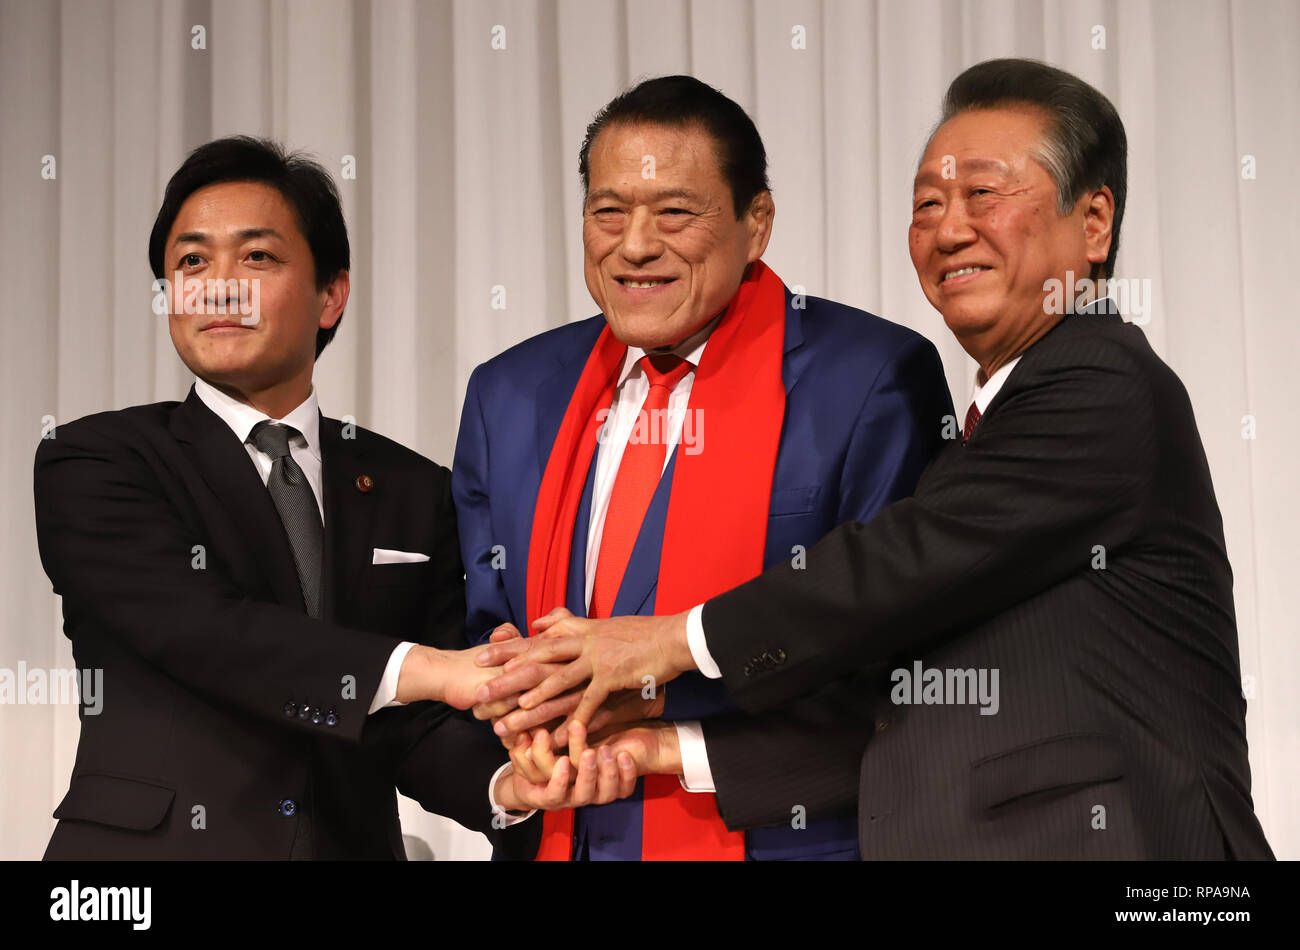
x: 715, y: 531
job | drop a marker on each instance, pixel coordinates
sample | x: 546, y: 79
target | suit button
x: 316, y: 716
x: 331, y: 718
x: 291, y: 709
x: 365, y: 483
x: 779, y: 656
x: 882, y: 725
x: 749, y: 669
x: 304, y: 711
x: 288, y: 807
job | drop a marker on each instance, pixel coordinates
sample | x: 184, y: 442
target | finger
x: 497, y: 654
x: 542, y: 650
x: 584, y: 789
x: 511, y: 683
x: 558, y: 683
x: 542, y: 756
x: 557, y: 789
x: 507, y: 631
x: 557, y: 626
x: 577, y: 734
x: 523, y: 763
x: 606, y: 776
x: 553, y: 616
x: 521, y: 719
x: 626, y: 775
x: 494, y: 711
x: 592, y: 698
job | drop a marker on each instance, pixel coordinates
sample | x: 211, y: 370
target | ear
x: 333, y: 299
x: 758, y: 221
x: 1098, y: 218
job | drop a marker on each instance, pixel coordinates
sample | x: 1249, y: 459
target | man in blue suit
x: 579, y: 479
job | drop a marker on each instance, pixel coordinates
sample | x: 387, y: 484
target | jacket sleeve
x: 1062, y: 463
x: 485, y: 592
x: 808, y: 751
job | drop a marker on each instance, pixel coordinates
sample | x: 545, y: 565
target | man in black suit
x: 274, y: 597
x: 1056, y: 598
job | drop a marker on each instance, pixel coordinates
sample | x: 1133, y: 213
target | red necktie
x: 973, y: 416
x: 638, y: 477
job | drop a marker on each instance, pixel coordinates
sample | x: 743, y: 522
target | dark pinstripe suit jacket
x: 1120, y: 725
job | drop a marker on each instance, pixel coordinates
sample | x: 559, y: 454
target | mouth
x: 645, y: 283
x: 962, y: 275
x: 225, y: 325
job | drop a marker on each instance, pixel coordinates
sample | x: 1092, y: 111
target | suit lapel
x: 795, y: 357
x: 554, y: 393
x: 223, y: 464
x: 348, y: 513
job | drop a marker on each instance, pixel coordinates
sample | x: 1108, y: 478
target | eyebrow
x: 246, y: 234
x: 967, y: 164
x: 604, y: 194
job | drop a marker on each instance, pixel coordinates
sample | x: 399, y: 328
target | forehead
x: 232, y: 205
x: 688, y: 151
x: 1000, y: 140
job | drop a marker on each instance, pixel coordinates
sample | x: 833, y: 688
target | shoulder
x: 540, y: 355
x: 134, y: 425
x: 1104, y: 344
x: 860, y: 341
x: 393, y: 454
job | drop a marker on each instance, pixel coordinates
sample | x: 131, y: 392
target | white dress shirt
x: 982, y: 395
x: 304, y: 448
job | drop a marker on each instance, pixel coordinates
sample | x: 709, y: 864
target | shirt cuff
x: 507, y: 817
x: 699, y: 648
x: 696, y: 775
x: 386, y: 694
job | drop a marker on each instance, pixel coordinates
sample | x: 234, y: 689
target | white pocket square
x: 385, y: 556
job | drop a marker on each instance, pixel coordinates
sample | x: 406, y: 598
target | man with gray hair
x: 1069, y: 541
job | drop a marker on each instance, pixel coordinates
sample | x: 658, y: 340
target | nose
x: 221, y: 287
x: 954, y: 230
x: 641, y: 241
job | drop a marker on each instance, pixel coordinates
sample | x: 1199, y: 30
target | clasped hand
x: 593, y: 686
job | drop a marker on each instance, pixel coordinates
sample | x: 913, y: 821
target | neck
x: 276, y: 401
x: 995, y: 358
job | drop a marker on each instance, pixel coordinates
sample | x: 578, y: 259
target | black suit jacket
x: 1120, y: 731
x: 232, y: 724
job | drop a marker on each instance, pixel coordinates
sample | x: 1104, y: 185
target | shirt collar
x: 690, y: 349
x: 241, y: 417
x: 983, y: 395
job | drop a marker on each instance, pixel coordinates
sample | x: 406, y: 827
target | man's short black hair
x: 681, y: 102
x: 305, y: 185
x: 1086, y: 147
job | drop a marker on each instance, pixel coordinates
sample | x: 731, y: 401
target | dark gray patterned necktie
x: 296, y: 503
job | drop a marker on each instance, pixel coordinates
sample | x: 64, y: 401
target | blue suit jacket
x: 865, y: 401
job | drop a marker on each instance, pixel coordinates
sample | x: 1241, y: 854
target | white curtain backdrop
x: 463, y: 120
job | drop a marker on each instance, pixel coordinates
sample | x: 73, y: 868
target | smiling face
x: 237, y: 231
x: 664, y: 254
x: 986, y: 232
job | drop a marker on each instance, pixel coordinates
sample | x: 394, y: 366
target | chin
x: 965, y: 320
x: 646, y: 332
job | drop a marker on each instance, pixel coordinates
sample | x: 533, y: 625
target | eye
x: 676, y: 211
x: 981, y: 191
x: 190, y: 260
x: 260, y: 257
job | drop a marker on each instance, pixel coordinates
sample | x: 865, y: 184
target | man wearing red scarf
x: 707, y: 424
